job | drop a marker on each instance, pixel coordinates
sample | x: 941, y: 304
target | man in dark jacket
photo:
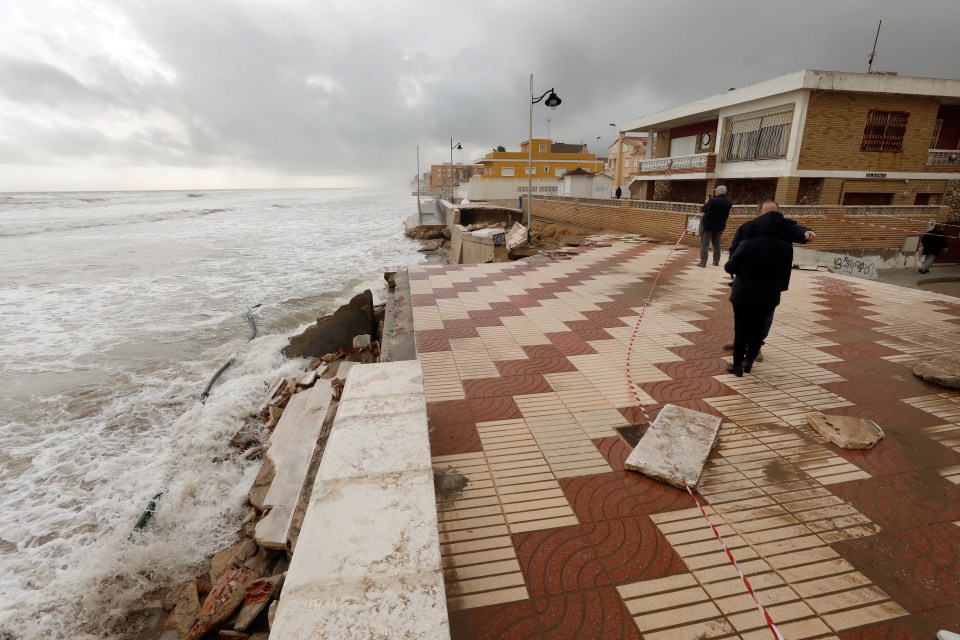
x: 933, y: 242
x: 762, y: 265
x: 714, y: 221
x: 792, y: 232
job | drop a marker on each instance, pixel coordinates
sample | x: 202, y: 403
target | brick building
x: 810, y: 137
x: 444, y: 176
x: 624, y: 157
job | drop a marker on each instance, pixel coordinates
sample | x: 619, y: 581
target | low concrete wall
x: 367, y: 563
x: 839, y: 229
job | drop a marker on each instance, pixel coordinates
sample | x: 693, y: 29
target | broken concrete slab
x: 256, y: 598
x: 847, y: 432
x: 336, y: 331
x: 680, y: 437
x: 944, y: 371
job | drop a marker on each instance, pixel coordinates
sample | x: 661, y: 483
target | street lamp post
x: 452, y: 147
x: 553, y: 101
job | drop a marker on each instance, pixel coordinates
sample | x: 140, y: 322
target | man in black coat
x: 792, y: 232
x: 762, y: 265
x: 714, y: 221
x: 933, y: 242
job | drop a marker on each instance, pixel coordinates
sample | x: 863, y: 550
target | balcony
x: 943, y: 158
x: 698, y: 163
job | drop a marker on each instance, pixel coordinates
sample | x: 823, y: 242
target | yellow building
x: 550, y: 160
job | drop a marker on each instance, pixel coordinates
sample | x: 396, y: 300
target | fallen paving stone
x: 944, y: 371
x: 847, y: 432
x: 680, y: 437
x: 255, y: 600
x: 223, y: 600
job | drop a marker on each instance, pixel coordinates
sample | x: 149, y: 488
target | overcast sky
x: 141, y: 94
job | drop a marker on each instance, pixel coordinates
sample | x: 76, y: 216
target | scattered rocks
x: 186, y: 610
x: 847, y: 432
x: 228, y: 558
x: 944, y: 371
x: 223, y: 600
x: 261, y: 484
x: 255, y: 600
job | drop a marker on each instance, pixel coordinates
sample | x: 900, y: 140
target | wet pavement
x: 545, y: 535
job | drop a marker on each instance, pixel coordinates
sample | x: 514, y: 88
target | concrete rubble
x: 847, y: 432
x: 944, y: 371
x: 680, y: 437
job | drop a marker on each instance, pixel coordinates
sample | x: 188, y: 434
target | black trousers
x: 749, y: 322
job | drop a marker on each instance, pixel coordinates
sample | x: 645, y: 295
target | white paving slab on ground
x: 679, y: 439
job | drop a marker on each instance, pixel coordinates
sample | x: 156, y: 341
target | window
x: 546, y: 168
x: 559, y: 172
x: 936, y: 134
x: 884, y: 131
x: 543, y: 148
x: 506, y: 172
x: 529, y: 170
x: 758, y: 135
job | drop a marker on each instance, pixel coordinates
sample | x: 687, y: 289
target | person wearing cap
x: 714, y: 221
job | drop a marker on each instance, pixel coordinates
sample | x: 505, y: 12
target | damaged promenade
x: 543, y: 534
x: 479, y: 487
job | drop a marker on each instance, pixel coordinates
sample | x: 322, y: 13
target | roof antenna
x: 874, y: 52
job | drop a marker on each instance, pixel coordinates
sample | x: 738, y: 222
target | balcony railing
x: 680, y: 164
x: 943, y: 158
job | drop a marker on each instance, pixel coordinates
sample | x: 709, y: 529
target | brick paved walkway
x: 544, y: 535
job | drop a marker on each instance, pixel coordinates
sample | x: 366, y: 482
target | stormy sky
x: 166, y: 94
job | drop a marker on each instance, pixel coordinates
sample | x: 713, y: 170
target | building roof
x: 579, y: 171
x: 563, y: 147
x: 809, y: 79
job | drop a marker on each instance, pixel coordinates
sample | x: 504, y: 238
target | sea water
x: 115, y: 310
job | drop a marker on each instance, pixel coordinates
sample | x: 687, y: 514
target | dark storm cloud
x: 335, y: 88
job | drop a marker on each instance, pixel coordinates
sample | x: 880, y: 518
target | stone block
x: 336, y: 331
x: 385, y: 379
x: 944, y: 371
x: 358, y: 528
x: 390, y: 443
x: 847, y: 432
x: 678, y: 437
x: 408, y: 606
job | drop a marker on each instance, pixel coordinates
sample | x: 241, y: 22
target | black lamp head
x: 553, y: 100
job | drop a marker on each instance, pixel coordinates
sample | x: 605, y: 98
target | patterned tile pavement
x: 543, y: 533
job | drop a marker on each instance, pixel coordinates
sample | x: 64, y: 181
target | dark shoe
x: 747, y: 365
x: 701, y: 264
x: 735, y: 370
x: 728, y: 346
x: 716, y: 264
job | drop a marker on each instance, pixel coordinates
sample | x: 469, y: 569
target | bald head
x: 767, y: 205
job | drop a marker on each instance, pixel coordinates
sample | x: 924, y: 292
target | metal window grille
x: 884, y: 131
x: 936, y: 134
x: 757, y: 136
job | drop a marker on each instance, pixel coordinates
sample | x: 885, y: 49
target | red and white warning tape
x: 636, y: 396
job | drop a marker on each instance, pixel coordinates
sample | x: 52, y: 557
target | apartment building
x: 810, y: 137
x: 624, y: 157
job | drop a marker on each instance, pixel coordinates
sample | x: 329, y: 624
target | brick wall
x: 834, y: 127
x: 835, y: 232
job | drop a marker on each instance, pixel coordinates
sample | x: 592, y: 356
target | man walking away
x: 714, y: 221
x: 762, y: 266
x: 933, y: 242
x: 792, y: 232
x: 619, y: 192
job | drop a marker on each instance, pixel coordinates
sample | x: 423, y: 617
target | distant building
x: 624, y: 157
x: 550, y: 160
x: 442, y: 176
x: 586, y: 184
x: 810, y: 137
x: 505, y: 172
